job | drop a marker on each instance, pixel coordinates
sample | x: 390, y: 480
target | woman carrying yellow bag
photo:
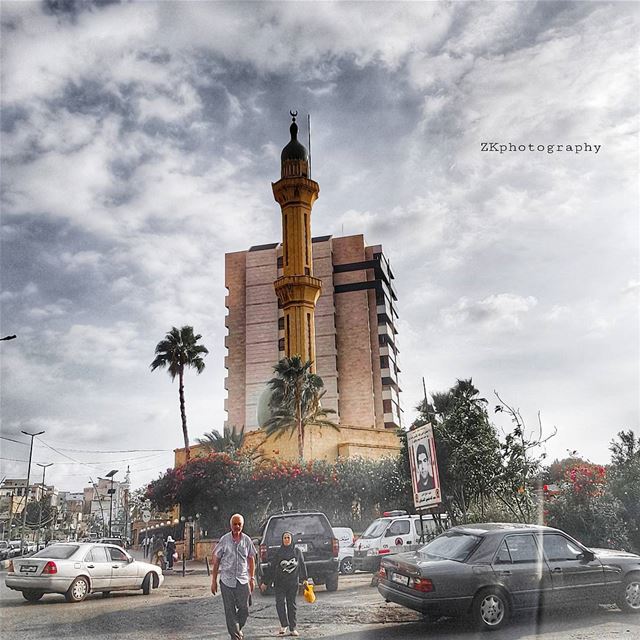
x: 290, y: 569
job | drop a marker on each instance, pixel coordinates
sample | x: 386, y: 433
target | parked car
x: 120, y: 542
x: 394, y: 532
x: 4, y: 549
x: 489, y: 571
x: 77, y: 569
x: 313, y: 535
x: 14, y: 548
x: 345, y: 553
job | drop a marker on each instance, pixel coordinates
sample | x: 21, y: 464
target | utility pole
x: 111, y: 492
x: 26, y: 497
x: 44, y: 469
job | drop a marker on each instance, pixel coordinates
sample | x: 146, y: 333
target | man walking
x: 235, y: 558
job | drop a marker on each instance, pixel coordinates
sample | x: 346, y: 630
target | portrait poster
x: 424, y: 467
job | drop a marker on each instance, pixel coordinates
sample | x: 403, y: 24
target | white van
x: 395, y: 532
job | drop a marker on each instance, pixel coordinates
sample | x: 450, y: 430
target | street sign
x: 146, y: 515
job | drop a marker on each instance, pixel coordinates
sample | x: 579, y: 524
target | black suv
x: 312, y: 533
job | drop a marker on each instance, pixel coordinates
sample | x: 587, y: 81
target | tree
x: 295, y: 403
x: 624, y: 481
x: 467, y: 447
x: 179, y: 349
x: 230, y: 441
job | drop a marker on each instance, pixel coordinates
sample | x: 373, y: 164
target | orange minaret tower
x: 297, y: 289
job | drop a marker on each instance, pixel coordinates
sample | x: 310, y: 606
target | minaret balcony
x: 300, y: 289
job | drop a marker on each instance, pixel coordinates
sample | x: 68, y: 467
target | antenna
x: 309, y: 130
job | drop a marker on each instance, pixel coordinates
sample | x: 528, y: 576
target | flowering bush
x: 585, y: 509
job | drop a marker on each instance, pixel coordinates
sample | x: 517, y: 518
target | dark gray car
x: 488, y: 571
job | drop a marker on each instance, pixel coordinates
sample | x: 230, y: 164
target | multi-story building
x: 355, y: 332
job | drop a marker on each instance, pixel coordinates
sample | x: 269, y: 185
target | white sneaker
x: 295, y: 633
x: 283, y: 631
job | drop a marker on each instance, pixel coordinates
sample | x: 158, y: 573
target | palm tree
x: 296, y: 394
x: 230, y: 441
x: 178, y: 350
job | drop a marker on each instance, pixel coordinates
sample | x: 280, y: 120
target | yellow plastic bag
x: 308, y: 593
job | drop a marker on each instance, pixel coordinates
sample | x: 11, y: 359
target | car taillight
x: 422, y: 584
x: 336, y: 547
x: 383, y: 551
x: 50, y: 568
x: 263, y: 553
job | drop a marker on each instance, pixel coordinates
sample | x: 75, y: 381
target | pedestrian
x: 235, y: 558
x: 145, y: 547
x: 170, y: 549
x: 290, y: 570
x: 157, y: 551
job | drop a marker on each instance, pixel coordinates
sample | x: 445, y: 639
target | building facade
x: 355, y: 332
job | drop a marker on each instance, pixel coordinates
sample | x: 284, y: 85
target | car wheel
x: 629, y: 597
x: 147, y: 584
x: 32, y: 596
x: 331, y: 582
x: 78, y: 590
x: 490, y: 609
x: 346, y: 566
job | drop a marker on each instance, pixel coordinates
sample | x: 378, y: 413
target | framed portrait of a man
x: 424, y: 467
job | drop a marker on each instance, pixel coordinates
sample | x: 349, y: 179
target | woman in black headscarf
x: 290, y: 570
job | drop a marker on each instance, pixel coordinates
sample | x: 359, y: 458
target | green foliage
x: 180, y: 349
x: 230, y: 441
x: 585, y: 509
x: 295, y: 403
x: 624, y: 481
x: 467, y: 448
x: 351, y: 492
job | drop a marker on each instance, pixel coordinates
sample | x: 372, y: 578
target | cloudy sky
x: 139, y: 141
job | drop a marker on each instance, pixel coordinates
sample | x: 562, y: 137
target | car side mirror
x: 587, y: 555
x: 131, y: 559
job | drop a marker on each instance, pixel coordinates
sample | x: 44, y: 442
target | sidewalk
x: 191, y: 567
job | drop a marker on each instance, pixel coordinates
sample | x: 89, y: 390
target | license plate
x: 400, y: 579
x: 302, y: 547
x: 29, y: 568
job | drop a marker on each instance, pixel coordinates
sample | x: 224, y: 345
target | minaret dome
x: 294, y: 159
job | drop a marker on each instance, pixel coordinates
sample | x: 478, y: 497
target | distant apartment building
x: 355, y: 332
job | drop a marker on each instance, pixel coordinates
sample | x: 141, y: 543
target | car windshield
x: 375, y: 529
x: 57, y: 551
x: 451, y: 546
x: 310, y: 525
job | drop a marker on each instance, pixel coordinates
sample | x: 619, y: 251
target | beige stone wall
x: 355, y: 385
x: 235, y: 321
x: 327, y: 444
x: 261, y: 349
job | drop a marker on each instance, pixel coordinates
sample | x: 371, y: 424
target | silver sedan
x: 77, y: 569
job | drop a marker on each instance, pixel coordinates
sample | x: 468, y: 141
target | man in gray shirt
x: 234, y: 557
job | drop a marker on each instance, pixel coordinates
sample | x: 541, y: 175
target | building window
x: 281, y: 344
x: 309, y: 347
x: 384, y: 362
x: 386, y: 405
x: 281, y: 324
x: 279, y: 262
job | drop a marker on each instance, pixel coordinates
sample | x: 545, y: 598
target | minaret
x: 297, y: 289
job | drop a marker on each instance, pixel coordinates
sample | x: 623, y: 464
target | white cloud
x: 503, y: 311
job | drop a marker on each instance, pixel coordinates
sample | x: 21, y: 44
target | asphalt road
x: 185, y: 609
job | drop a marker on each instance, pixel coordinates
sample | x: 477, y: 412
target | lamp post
x: 44, y: 469
x: 26, y: 495
x: 111, y: 492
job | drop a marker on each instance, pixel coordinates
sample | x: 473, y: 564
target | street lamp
x: 44, y: 469
x: 26, y: 495
x: 111, y: 492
